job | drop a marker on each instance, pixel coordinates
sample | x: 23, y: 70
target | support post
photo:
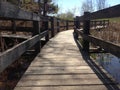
x: 108, y: 22
x: 36, y: 30
x: 52, y: 27
x: 67, y: 25
x: 46, y: 28
x: 13, y: 26
x: 45, y: 7
x: 58, y: 25
x: 94, y: 25
x: 86, y: 29
x: 77, y: 22
x: 77, y: 26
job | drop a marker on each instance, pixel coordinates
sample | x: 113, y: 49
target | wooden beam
x: 58, y: 25
x: 9, y: 56
x: 52, y: 27
x: 67, y: 24
x: 15, y: 36
x: 107, y: 46
x: 43, y: 34
x: 45, y: 18
x: 71, y: 25
x: 18, y: 29
x: 36, y: 31
x: 97, y: 50
x: 86, y: 30
x: 9, y: 11
x: 62, y: 26
x: 110, y: 12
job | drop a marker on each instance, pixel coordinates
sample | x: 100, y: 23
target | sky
x: 75, y: 5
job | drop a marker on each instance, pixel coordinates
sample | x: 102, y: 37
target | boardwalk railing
x: 40, y: 27
x: 90, y: 19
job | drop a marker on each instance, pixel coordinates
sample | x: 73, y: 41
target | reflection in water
x: 110, y: 63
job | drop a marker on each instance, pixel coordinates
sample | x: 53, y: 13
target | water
x: 111, y: 64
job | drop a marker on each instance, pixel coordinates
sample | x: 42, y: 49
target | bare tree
x: 101, y: 4
x: 87, y: 6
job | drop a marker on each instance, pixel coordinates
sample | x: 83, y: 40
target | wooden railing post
x: 67, y: 24
x: 36, y: 30
x: 77, y: 26
x: 58, y: 25
x: 13, y: 26
x: 86, y: 29
x: 77, y: 22
x: 52, y: 27
x: 46, y: 28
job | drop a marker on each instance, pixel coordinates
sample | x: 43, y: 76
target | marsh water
x: 110, y: 63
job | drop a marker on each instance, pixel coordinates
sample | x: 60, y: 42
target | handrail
x: 9, y: 11
x: 110, y: 12
x: 87, y: 20
x: 49, y: 25
x: 9, y: 56
x: 106, y: 45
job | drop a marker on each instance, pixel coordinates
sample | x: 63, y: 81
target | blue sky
x: 74, y: 5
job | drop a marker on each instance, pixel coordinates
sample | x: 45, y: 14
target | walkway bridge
x: 62, y: 63
x: 61, y: 66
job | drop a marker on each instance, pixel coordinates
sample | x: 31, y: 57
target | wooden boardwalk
x: 60, y: 66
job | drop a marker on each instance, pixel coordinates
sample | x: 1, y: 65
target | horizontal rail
x: 110, y: 12
x: 14, y: 13
x: 107, y: 13
x: 44, y: 18
x: 43, y: 34
x: 9, y: 11
x: 62, y: 26
x: 18, y: 29
x: 15, y: 36
x: 71, y: 25
x: 9, y: 56
x: 107, y: 46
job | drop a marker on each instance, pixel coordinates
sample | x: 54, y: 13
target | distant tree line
x: 69, y: 15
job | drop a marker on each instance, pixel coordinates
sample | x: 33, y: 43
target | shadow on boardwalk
x: 60, y: 66
x: 102, y: 75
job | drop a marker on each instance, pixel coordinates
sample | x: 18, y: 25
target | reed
x: 110, y: 33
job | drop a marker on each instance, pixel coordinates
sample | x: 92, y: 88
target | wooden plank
x: 9, y: 56
x: 60, y: 82
x: 71, y: 25
x: 107, y: 46
x: 69, y: 87
x: 15, y: 36
x: 86, y: 30
x: 45, y: 18
x: 62, y: 26
x: 18, y: 29
x: 43, y: 34
x: 9, y: 11
x: 62, y: 77
x: 110, y: 12
x: 36, y: 31
x: 67, y: 24
x: 58, y: 25
x: 52, y: 27
x: 67, y: 68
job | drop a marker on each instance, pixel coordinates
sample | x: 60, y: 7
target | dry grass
x: 110, y: 33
